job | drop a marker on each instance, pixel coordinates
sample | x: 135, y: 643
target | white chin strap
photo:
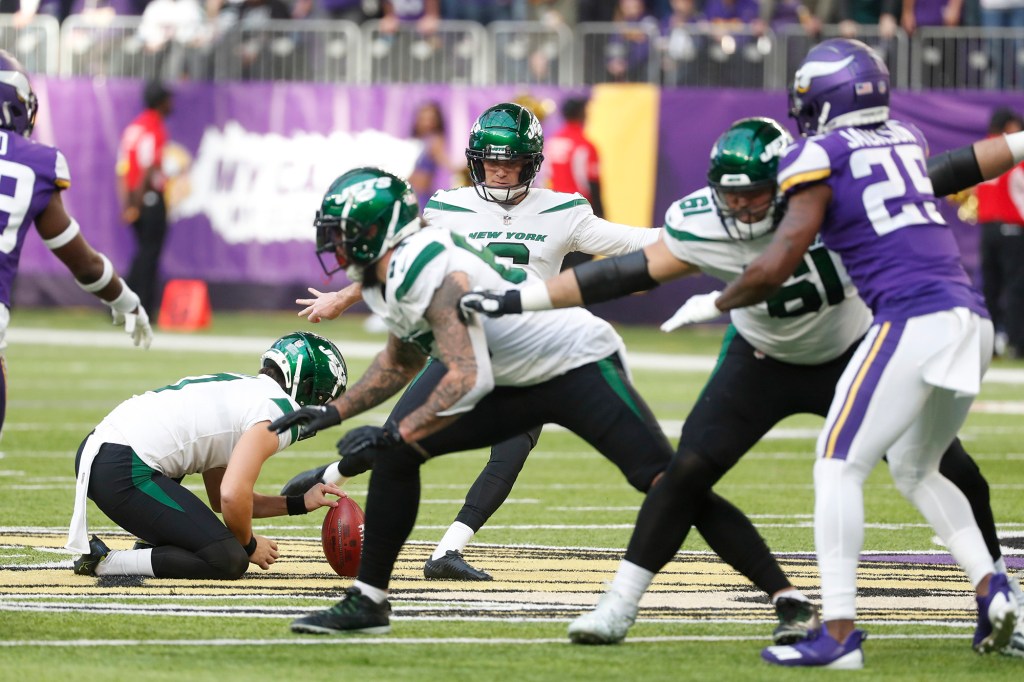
x: 504, y: 195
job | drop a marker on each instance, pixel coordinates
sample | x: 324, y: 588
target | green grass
x: 567, y: 497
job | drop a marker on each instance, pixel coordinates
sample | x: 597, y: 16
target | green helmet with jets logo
x: 365, y: 212
x: 313, y: 368
x: 746, y: 159
x: 505, y: 132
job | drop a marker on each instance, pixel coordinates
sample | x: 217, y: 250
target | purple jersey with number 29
x: 30, y: 173
x: 883, y: 219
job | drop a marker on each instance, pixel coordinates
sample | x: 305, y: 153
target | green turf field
x: 550, y: 548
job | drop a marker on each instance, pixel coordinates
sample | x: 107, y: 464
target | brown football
x: 342, y: 537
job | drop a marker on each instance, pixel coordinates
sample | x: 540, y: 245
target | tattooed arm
x: 393, y: 368
x: 463, y: 350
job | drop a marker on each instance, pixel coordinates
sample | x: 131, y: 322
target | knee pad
x: 226, y: 557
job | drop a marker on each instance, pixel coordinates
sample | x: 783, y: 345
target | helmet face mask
x: 744, y: 163
x: 364, y: 213
x: 18, y: 105
x: 505, y: 132
x: 313, y: 368
x: 840, y: 83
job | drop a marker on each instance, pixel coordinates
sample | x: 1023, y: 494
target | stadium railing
x: 526, y: 53
x: 36, y: 45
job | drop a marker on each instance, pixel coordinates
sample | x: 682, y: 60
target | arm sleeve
x: 953, y: 171
x: 600, y: 237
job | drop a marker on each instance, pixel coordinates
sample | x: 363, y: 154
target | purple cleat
x: 820, y: 650
x: 997, y: 615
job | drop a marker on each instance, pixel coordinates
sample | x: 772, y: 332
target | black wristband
x: 251, y: 547
x: 513, y: 303
x: 296, y: 505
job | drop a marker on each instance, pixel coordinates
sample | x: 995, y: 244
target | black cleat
x: 797, y: 620
x: 142, y: 544
x: 355, y: 613
x: 452, y: 567
x: 304, y: 481
x: 87, y: 563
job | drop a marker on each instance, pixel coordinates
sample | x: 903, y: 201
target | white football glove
x: 699, y: 308
x: 136, y: 325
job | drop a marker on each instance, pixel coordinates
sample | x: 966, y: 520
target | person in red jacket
x: 574, y: 163
x: 140, y: 185
x: 1001, y: 215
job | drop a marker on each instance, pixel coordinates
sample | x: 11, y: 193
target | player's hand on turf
x: 311, y: 418
x: 491, y: 303
x: 699, y: 308
x: 265, y: 553
x: 316, y: 497
x: 136, y: 325
x: 369, y: 438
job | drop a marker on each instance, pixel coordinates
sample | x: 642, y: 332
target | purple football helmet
x: 17, y: 101
x: 840, y: 83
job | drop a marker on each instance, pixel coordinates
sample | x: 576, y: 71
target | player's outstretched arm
x: 93, y: 271
x: 328, y: 305
x: 591, y: 282
x: 964, y: 167
x: 393, y: 368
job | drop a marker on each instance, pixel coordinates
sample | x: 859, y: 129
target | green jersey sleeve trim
x: 567, y: 205
x: 425, y: 256
x: 441, y: 206
x: 682, y: 236
x: 286, y: 407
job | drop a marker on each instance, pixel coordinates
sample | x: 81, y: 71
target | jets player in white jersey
x: 502, y: 378
x: 527, y: 228
x: 779, y: 358
x: 131, y: 466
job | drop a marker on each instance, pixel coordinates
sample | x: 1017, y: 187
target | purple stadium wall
x: 260, y: 155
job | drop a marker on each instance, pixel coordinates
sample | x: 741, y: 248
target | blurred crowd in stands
x: 195, y: 16
x: 647, y: 40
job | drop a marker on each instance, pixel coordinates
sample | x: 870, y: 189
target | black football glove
x: 491, y: 303
x: 311, y: 418
x: 369, y: 438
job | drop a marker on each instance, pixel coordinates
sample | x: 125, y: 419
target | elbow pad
x: 953, y: 171
x: 610, y: 278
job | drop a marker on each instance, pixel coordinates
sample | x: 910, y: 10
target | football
x: 342, y: 537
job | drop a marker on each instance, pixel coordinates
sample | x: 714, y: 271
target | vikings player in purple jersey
x: 859, y: 179
x: 946, y: 173
x: 32, y: 177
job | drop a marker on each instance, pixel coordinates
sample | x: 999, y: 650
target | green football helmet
x: 365, y: 212
x: 746, y: 158
x: 314, y: 369
x: 503, y: 133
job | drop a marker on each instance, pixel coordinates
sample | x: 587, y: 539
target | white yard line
x: 249, y: 345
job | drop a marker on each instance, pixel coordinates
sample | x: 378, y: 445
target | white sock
x: 631, y: 581
x: 331, y: 474
x: 1000, y: 565
x: 375, y: 593
x: 791, y: 593
x: 456, y: 537
x: 127, y: 562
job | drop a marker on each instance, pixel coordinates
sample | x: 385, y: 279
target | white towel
x: 957, y: 365
x: 78, y: 531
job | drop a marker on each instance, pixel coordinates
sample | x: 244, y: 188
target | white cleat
x: 608, y: 623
